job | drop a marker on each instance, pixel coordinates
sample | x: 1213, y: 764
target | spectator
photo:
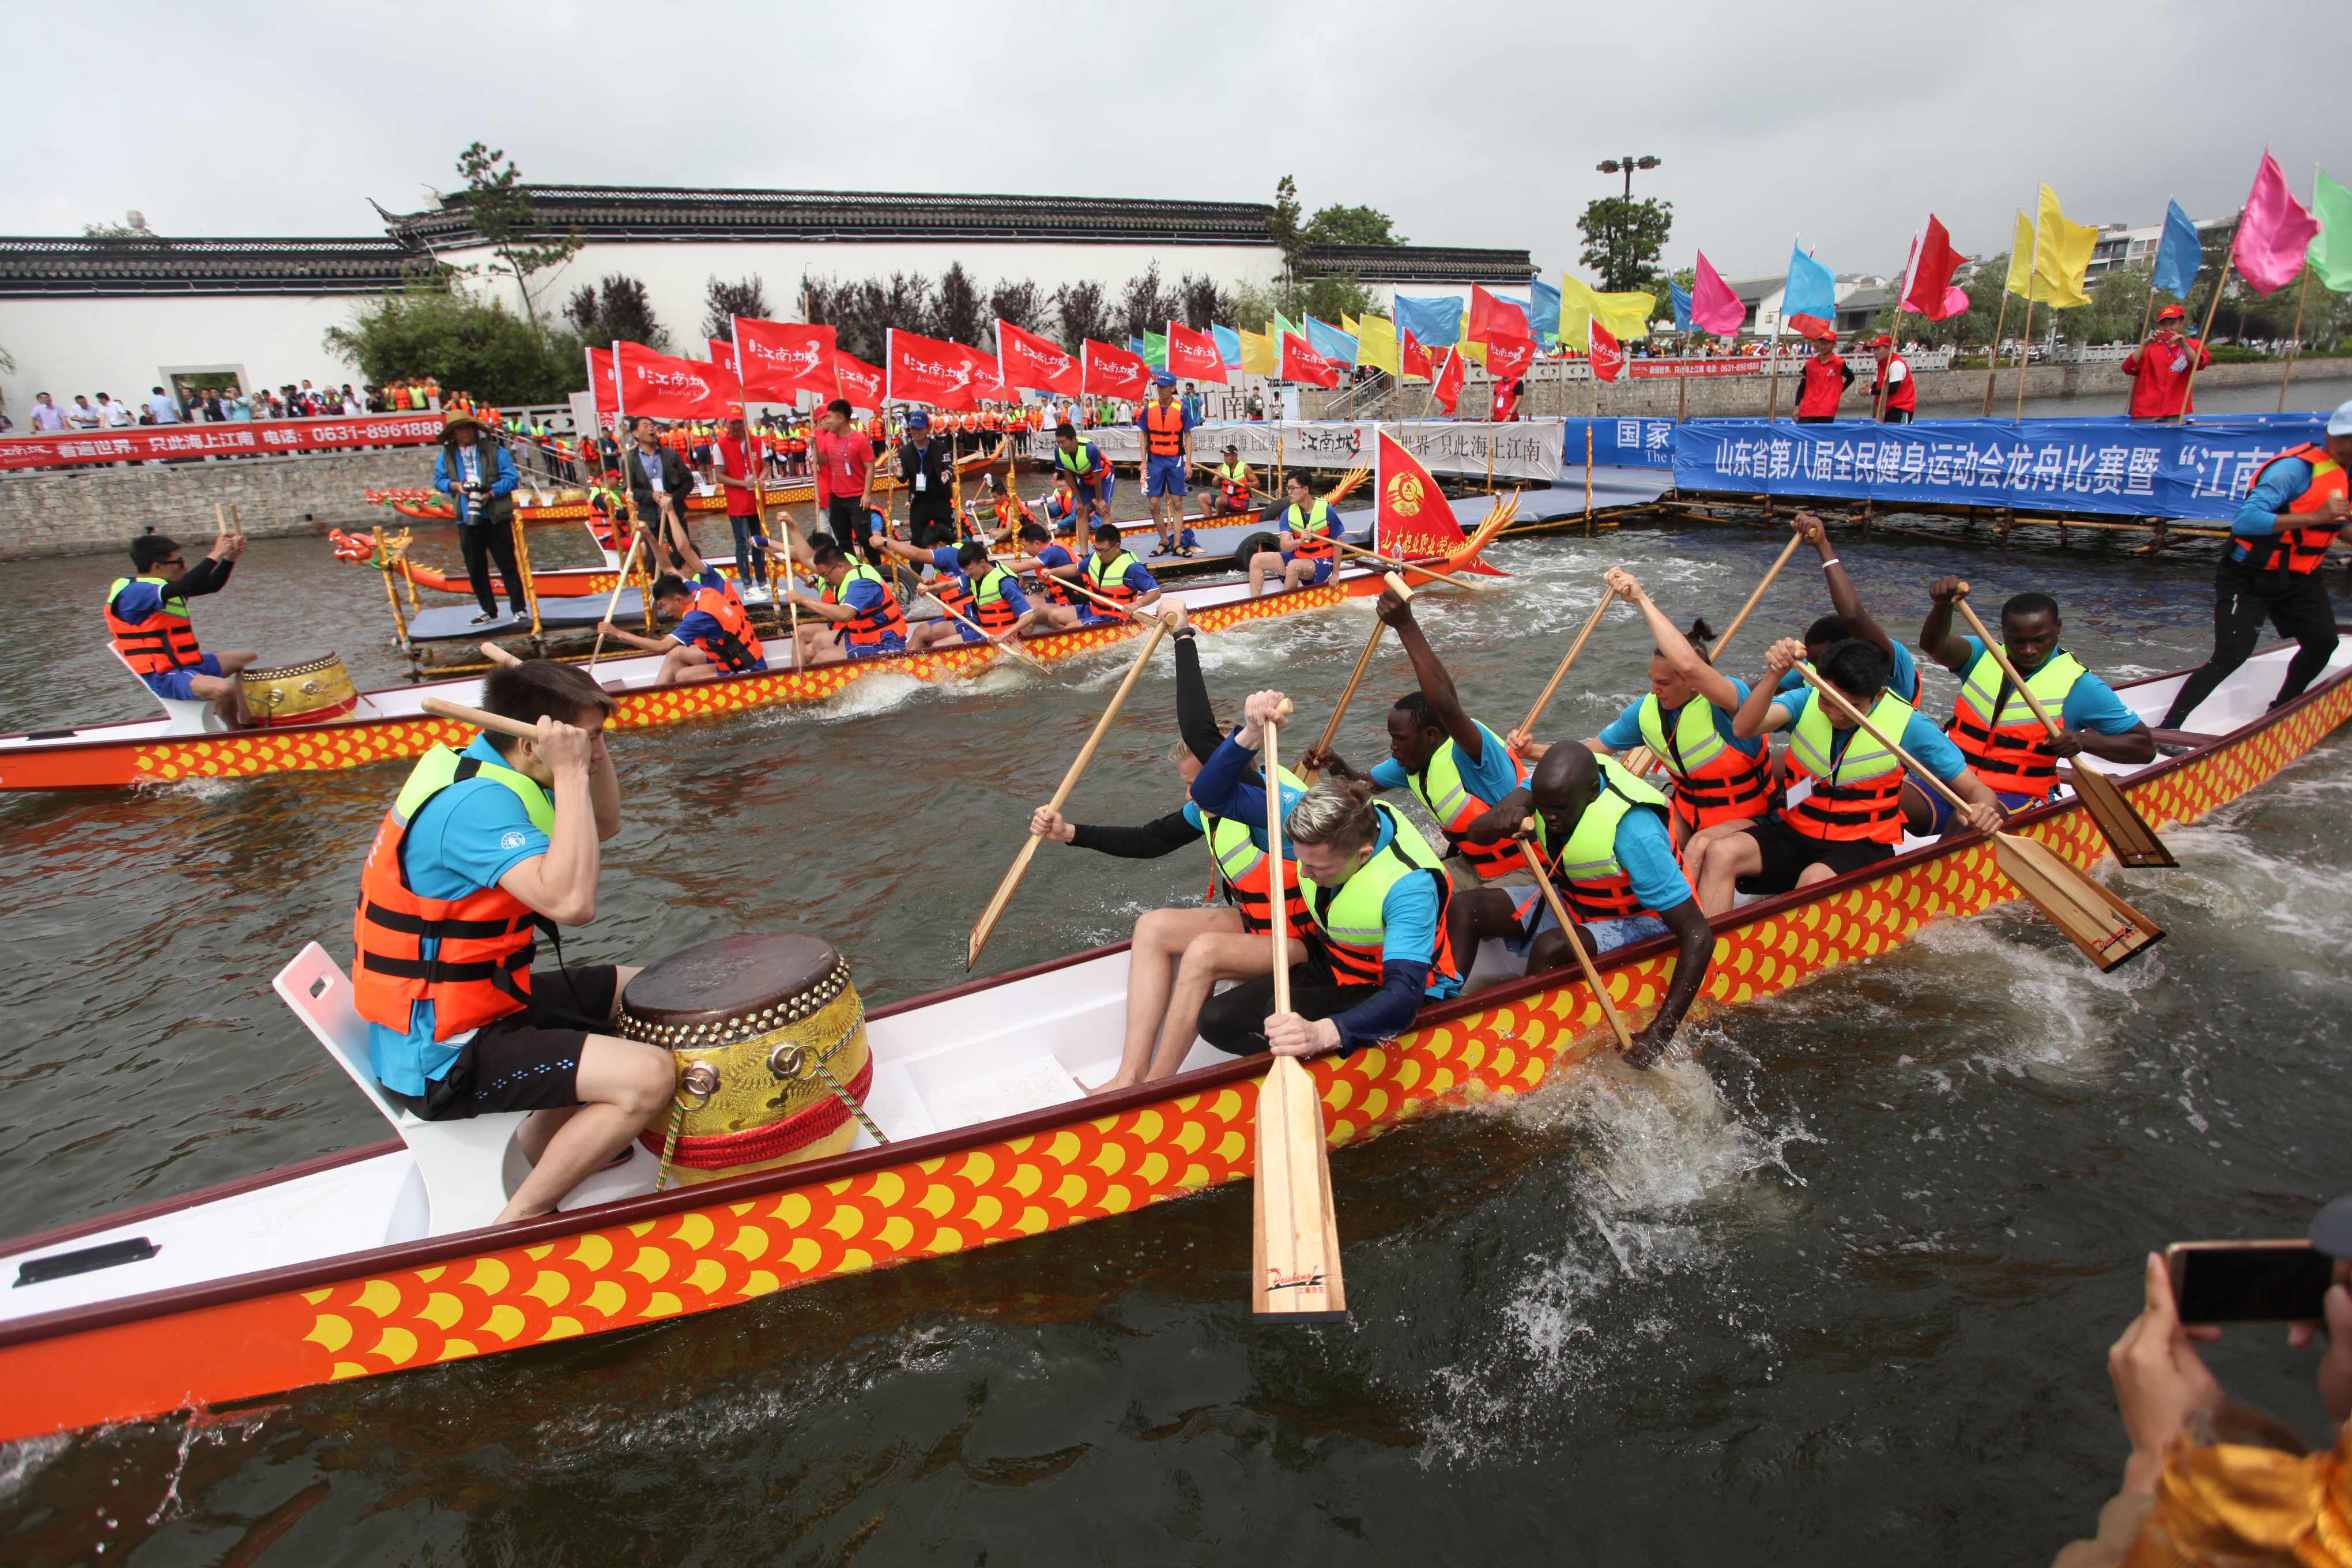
x: 2208, y: 1482
x: 161, y: 410
x: 479, y: 477
x: 47, y: 416
x: 81, y: 416
x: 234, y: 408
x: 114, y: 415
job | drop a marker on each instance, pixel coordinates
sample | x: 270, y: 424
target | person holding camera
x: 2208, y: 1480
x: 479, y: 477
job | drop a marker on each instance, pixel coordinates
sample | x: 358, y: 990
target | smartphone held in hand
x: 2248, y: 1281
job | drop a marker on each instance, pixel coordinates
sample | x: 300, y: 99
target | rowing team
x: 858, y: 612
x: 1380, y: 922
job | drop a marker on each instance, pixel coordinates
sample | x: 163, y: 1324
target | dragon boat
x: 377, y: 1260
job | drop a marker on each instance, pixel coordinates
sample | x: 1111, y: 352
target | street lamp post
x: 1628, y: 164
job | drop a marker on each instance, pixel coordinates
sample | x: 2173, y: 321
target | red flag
x: 1509, y: 356
x: 1931, y: 291
x: 601, y: 386
x: 1301, y: 362
x: 668, y: 387
x: 1194, y: 354
x: 1608, y: 355
x: 1115, y: 373
x: 855, y: 380
x: 1489, y: 315
x: 987, y: 375
x: 1037, y: 362
x: 1415, y: 359
x: 1412, y: 517
x: 784, y: 359
x: 1449, y: 380
x: 925, y: 369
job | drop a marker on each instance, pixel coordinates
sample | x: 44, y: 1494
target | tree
x: 1080, y: 307
x: 1022, y: 304
x: 728, y: 301
x: 861, y: 312
x: 956, y: 316
x: 499, y: 205
x: 460, y: 342
x: 620, y: 313
x: 1353, y: 226
x: 135, y: 230
x: 1142, y: 308
x: 1202, y: 302
x: 1623, y: 242
x: 1282, y: 226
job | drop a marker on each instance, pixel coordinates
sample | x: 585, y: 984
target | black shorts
x: 528, y: 1060
x: 1788, y: 852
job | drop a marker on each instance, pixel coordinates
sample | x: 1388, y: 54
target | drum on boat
x: 311, y: 689
x: 770, y: 1040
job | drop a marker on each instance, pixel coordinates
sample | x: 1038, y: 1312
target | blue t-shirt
x: 2092, y: 704
x: 1647, y: 852
x: 863, y: 594
x: 141, y: 600
x: 1495, y: 775
x: 2260, y: 514
x: 1191, y: 423
x: 466, y: 837
x: 944, y: 558
x: 695, y: 624
x: 1928, y: 744
x: 1905, y: 680
x: 1625, y: 732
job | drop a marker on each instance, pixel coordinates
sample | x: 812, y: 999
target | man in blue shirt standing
x: 2278, y: 542
x: 480, y: 478
x: 1167, y: 427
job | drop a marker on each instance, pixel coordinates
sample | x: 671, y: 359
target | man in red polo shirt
x: 845, y: 476
x: 2159, y: 368
x: 736, y: 467
x: 1895, y: 394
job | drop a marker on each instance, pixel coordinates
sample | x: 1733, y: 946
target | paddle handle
x: 1873, y: 731
x: 996, y: 905
x: 1527, y: 725
x: 1567, y: 930
x: 442, y: 707
x: 1281, y: 926
x: 636, y: 537
x: 1006, y: 644
x: 1129, y: 611
x: 1430, y: 571
x: 1737, y: 621
x: 2001, y: 655
x: 1363, y: 662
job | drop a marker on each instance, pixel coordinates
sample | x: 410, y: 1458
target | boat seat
x: 189, y: 716
x: 465, y: 1164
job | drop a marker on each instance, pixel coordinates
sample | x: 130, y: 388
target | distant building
x: 2119, y: 247
x: 1860, y: 297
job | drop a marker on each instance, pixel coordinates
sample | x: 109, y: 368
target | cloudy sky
x: 1472, y: 123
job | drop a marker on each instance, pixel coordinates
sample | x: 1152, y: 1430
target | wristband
x: 1830, y: 562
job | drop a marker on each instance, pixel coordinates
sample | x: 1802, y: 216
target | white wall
x: 69, y: 344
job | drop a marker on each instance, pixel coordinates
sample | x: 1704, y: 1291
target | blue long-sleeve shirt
x: 1411, y: 911
x: 449, y: 472
x: 2259, y: 515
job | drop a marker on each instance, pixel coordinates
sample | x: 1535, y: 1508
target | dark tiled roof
x: 1421, y: 264
x: 637, y: 212
x: 64, y: 266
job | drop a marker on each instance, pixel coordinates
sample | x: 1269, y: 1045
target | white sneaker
x: 755, y: 593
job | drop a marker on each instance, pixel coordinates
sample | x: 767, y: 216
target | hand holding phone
x: 2249, y: 1281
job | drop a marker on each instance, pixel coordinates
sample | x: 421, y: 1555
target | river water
x: 1839, y: 1290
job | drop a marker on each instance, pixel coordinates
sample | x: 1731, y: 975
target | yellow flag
x: 1476, y: 351
x: 1376, y: 345
x: 1349, y: 325
x: 1623, y: 316
x: 2065, y: 254
x: 1258, y: 354
x: 2021, y: 258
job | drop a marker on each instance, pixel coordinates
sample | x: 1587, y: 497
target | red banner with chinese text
x: 1640, y: 368
x: 1412, y: 518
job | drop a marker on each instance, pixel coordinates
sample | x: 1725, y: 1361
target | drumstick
x: 1294, y: 1234
x: 497, y: 654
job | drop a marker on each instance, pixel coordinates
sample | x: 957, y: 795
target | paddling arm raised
x: 1759, y: 714
x: 1686, y: 661
x: 1436, y: 681
x: 1936, y: 639
x: 561, y: 883
x: 1844, y: 597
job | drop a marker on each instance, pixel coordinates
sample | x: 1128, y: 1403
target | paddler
x: 482, y: 849
x: 1179, y: 956
x: 1851, y: 815
x: 972, y: 585
x: 1850, y: 621
x: 147, y: 615
x: 1233, y: 479
x: 1456, y: 766
x: 2004, y: 743
x: 857, y: 617
x: 1113, y: 572
x: 714, y: 635
x: 1687, y: 720
x: 1604, y: 836
x: 1050, y: 560
x: 1305, y: 552
x: 1376, y: 897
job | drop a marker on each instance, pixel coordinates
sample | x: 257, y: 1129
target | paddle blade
x: 2127, y: 832
x: 2107, y: 930
x: 1294, y: 1236
x: 979, y: 933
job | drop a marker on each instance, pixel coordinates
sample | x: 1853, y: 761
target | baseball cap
x: 2340, y: 424
x: 919, y: 420
x: 1164, y: 379
x: 2170, y: 313
x: 1881, y: 342
x: 1231, y: 448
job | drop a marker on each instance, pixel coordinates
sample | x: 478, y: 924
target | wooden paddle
x: 2126, y: 831
x: 636, y: 537
x: 1527, y: 836
x: 1641, y: 761
x: 1395, y: 565
x: 2106, y: 928
x: 1009, y: 645
x: 1527, y: 725
x: 442, y: 707
x: 1129, y: 611
x: 1363, y: 661
x: 1294, y: 1232
x: 979, y: 933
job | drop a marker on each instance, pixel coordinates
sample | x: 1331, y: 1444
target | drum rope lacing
x: 700, y: 1079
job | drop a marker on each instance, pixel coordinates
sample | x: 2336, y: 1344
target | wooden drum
x: 311, y: 690
x: 769, y: 1035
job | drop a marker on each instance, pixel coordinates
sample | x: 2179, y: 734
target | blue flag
x: 1229, y: 346
x: 1811, y: 292
x: 1543, y: 311
x: 1435, y: 322
x: 1135, y: 346
x: 1331, y: 343
x: 1682, y: 306
x: 2178, y: 254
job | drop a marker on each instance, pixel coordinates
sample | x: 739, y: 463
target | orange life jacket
x: 1163, y: 430
x: 1100, y: 578
x: 1244, y: 874
x: 2004, y: 743
x: 164, y: 640
x: 1313, y: 532
x: 736, y: 648
x: 2301, y: 549
x: 1335, y: 914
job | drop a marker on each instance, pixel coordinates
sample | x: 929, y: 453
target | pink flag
x: 2274, y: 233
x: 1713, y: 307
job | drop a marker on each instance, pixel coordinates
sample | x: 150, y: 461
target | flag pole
x: 2295, y: 341
x: 1885, y: 387
x: 2220, y: 280
x: 1772, y: 400
x: 2025, y: 342
x: 2147, y: 315
x: 2001, y: 325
